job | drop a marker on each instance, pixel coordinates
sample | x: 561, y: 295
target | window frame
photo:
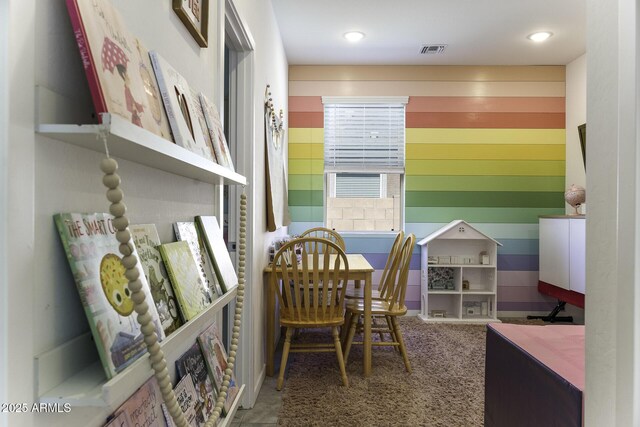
x: 326, y: 181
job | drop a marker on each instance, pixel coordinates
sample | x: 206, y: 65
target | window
x: 364, y: 156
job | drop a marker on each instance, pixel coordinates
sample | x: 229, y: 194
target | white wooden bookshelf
x: 72, y: 373
x: 131, y: 142
x: 475, y: 304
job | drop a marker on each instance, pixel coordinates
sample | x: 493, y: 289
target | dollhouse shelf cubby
x: 71, y: 373
x: 130, y: 142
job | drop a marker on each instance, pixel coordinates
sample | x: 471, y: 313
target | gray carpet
x: 446, y: 387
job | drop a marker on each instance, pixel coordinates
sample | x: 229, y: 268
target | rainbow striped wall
x: 484, y: 144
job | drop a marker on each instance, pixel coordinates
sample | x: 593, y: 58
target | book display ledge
x: 72, y: 372
x: 130, y: 142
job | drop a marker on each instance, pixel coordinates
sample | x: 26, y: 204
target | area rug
x: 445, y: 388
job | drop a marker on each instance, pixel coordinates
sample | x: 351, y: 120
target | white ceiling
x: 477, y: 32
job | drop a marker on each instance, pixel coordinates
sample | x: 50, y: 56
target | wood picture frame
x: 194, y: 14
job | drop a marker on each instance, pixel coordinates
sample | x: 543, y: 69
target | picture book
x: 187, y: 399
x: 192, y: 362
x: 193, y: 296
x: 144, y: 407
x: 145, y: 237
x: 176, y: 97
x: 216, y: 358
x: 91, y: 248
x: 188, y: 232
x: 217, y: 250
x: 117, y: 65
x: 207, y: 149
x: 216, y: 132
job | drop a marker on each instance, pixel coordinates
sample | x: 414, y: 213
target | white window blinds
x: 358, y: 185
x: 364, y: 136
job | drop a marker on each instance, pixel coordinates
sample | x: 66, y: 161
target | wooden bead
x: 111, y: 180
x: 125, y: 249
x: 144, y: 318
x: 156, y: 358
x: 132, y: 275
x: 154, y: 348
x: 159, y: 367
x: 150, y: 339
x: 120, y: 223
x: 167, y: 388
x: 118, y: 209
x: 115, y: 195
x: 147, y: 329
x: 141, y: 308
x: 164, y: 381
x: 129, y: 261
x: 135, y: 286
x: 108, y: 165
x: 137, y: 297
x: 123, y: 236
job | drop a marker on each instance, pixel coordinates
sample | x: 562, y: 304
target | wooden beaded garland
x: 156, y: 356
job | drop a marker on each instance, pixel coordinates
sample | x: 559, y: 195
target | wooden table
x: 359, y: 270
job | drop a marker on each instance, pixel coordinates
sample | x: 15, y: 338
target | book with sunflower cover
x: 92, y: 251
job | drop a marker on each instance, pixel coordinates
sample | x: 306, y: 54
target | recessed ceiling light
x: 540, y: 37
x: 354, y: 36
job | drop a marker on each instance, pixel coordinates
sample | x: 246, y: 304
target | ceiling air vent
x: 432, y: 49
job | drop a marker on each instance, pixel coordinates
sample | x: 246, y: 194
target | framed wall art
x: 194, y: 14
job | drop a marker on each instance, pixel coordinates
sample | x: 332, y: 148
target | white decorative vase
x: 575, y: 196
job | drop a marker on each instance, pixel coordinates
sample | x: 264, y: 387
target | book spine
x: 80, y: 34
x: 166, y: 99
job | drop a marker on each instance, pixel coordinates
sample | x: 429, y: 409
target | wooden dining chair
x: 325, y: 233
x: 390, y: 308
x: 312, y: 296
x: 385, y: 279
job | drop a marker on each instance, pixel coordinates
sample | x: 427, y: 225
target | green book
x: 192, y: 294
x: 146, y: 239
x: 217, y: 251
x: 91, y: 248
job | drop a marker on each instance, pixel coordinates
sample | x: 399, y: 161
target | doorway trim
x: 242, y: 130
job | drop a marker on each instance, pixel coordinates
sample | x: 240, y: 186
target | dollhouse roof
x: 452, y: 231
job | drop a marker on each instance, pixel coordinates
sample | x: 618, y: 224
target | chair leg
x: 336, y: 343
x: 392, y: 333
x: 345, y: 327
x: 285, y: 356
x: 403, y: 349
x: 350, y: 334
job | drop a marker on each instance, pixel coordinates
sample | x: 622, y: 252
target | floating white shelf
x: 130, y: 142
x: 436, y: 292
x: 86, y: 385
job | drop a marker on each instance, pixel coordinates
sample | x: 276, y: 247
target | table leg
x: 367, y: 325
x: 271, y: 326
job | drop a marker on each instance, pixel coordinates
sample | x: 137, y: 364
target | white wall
x: 613, y: 287
x: 576, y: 114
x: 270, y: 68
